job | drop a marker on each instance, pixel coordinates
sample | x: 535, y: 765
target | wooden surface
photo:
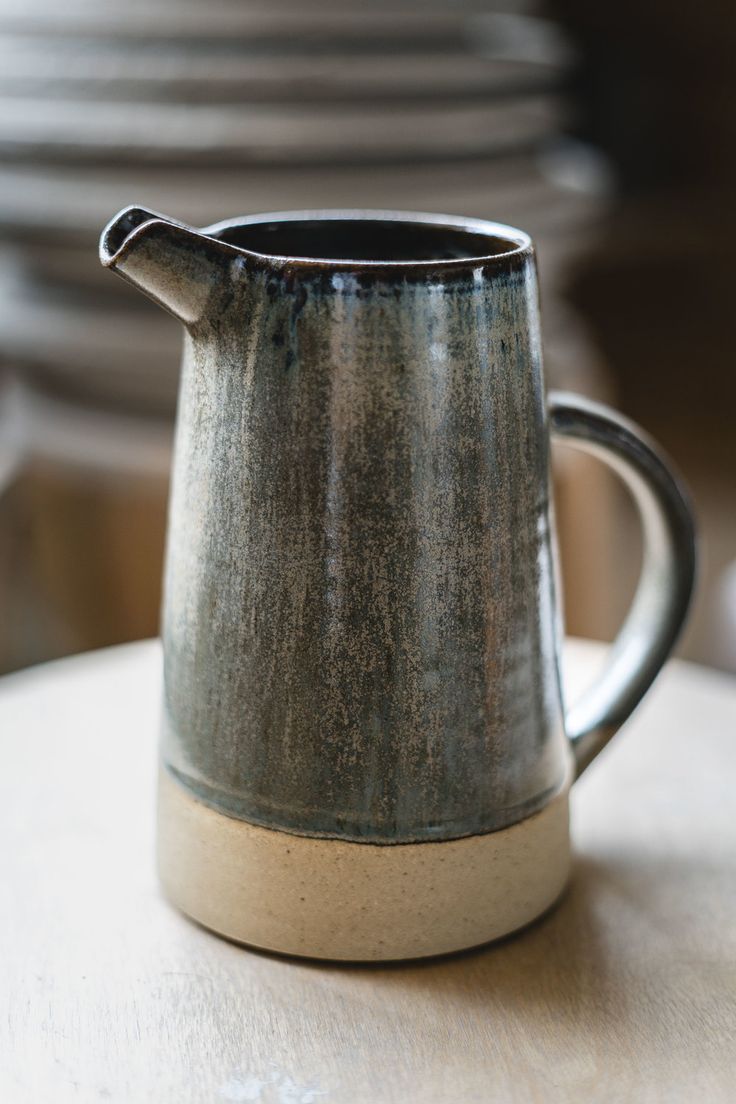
x: 625, y: 992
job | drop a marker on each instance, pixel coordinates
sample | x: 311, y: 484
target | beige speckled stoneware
x: 365, y: 754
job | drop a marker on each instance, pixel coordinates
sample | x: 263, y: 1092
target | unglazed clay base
x: 328, y: 898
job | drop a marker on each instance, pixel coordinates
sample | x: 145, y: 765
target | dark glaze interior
x: 383, y: 240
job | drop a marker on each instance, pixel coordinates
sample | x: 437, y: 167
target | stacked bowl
x: 209, y: 111
x: 206, y: 111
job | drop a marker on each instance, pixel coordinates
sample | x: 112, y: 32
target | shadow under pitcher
x: 365, y: 754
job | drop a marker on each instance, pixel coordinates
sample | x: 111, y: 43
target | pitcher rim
x: 519, y: 242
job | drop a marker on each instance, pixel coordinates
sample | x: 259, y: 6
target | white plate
x: 184, y: 73
x: 304, y: 23
x: 59, y: 204
x: 272, y: 134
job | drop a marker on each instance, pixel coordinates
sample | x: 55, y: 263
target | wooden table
x: 626, y: 992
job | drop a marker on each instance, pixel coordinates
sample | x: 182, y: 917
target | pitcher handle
x: 665, y: 586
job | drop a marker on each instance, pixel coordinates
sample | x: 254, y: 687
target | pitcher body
x: 363, y: 749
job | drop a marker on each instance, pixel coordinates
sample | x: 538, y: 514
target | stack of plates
x: 206, y: 111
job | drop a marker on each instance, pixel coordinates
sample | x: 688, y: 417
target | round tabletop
x: 625, y: 991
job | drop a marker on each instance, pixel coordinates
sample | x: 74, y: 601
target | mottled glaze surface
x: 360, y: 621
x: 359, y: 618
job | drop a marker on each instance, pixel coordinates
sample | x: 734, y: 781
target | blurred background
x: 606, y: 130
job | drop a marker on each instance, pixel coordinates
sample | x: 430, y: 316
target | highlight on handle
x: 665, y: 587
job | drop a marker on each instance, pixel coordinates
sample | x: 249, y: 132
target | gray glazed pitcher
x: 365, y: 753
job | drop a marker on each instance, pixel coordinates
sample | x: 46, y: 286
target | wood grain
x: 625, y: 992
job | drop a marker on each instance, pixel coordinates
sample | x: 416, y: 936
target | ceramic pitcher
x: 365, y: 752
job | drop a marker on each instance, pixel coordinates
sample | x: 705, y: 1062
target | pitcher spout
x: 175, y: 265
